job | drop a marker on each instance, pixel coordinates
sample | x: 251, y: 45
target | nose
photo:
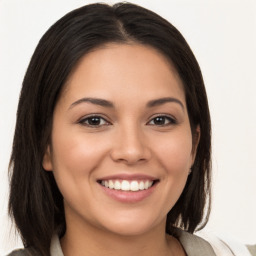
x: 130, y: 146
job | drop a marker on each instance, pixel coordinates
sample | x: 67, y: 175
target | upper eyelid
x: 93, y: 115
x: 163, y: 115
x: 172, y: 121
x: 108, y: 120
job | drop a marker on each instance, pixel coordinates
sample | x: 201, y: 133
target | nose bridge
x: 130, y: 144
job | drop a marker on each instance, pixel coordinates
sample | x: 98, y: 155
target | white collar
x: 55, y: 248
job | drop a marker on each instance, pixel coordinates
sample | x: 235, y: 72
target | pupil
x: 94, y: 121
x: 159, y: 120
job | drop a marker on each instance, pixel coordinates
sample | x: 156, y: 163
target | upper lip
x: 125, y: 176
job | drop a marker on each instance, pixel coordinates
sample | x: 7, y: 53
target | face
x: 121, y: 144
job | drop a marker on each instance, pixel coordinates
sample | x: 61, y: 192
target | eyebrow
x: 109, y: 104
x: 161, y: 101
x: 95, y: 101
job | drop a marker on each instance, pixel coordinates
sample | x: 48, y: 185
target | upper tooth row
x: 126, y: 185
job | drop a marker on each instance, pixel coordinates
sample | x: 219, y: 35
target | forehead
x: 124, y: 67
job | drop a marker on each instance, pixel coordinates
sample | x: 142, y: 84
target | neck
x: 85, y: 239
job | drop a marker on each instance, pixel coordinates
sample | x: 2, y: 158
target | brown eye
x: 93, y: 121
x: 162, y: 121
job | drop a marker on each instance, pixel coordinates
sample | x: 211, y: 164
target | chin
x: 128, y: 231
x: 133, y: 226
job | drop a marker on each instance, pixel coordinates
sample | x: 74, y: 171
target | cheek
x: 175, y: 158
x: 175, y: 153
x: 76, y: 153
x: 75, y: 157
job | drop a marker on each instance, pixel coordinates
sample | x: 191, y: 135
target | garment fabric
x: 192, y: 244
x: 223, y: 245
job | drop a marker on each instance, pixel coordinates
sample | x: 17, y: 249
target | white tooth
x: 134, y: 186
x: 111, y: 184
x: 117, y: 185
x: 141, y: 185
x: 125, y: 185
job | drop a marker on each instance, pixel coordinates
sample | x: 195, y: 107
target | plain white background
x: 222, y: 35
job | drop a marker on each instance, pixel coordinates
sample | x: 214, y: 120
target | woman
x: 112, y: 147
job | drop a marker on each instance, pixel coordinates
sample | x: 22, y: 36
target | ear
x: 195, y: 140
x: 47, y: 160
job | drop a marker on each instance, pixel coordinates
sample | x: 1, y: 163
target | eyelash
x: 85, y: 121
x: 171, y: 120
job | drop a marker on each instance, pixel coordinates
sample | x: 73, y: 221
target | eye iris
x: 94, y: 121
x: 159, y: 120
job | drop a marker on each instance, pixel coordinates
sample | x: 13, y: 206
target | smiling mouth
x: 128, y: 185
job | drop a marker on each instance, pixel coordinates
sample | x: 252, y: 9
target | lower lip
x: 128, y: 196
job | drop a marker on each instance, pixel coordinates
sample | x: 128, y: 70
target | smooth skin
x: 113, y: 117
